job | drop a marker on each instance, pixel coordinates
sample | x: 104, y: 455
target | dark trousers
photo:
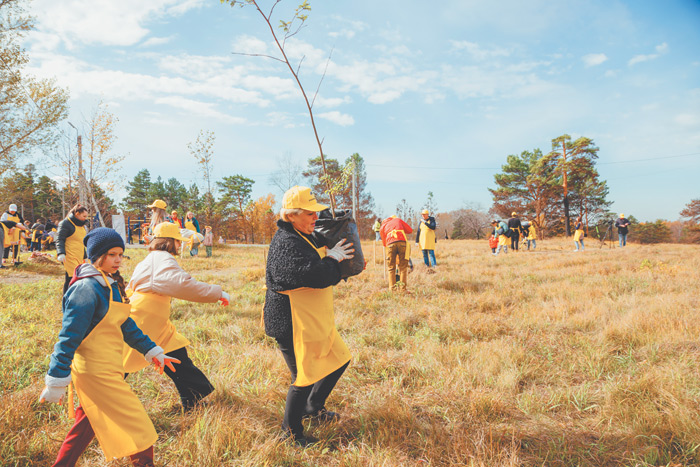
x: 11, y: 248
x: 304, y: 400
x: 66, y: 283
x: 189, y: 380
x: 35, y: 246
x: 514, y: 240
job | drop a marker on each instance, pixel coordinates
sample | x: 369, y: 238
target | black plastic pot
x: 342, y: 227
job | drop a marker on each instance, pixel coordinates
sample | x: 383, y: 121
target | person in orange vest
x: 70, y: 249
x: 176, y: 220
x: 394, y: 233
x: 88, y: 354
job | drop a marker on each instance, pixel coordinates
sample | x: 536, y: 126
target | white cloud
x: 478, y: 52
x: 345, y: 33
x: 122, y: 23
x: 246, y: 44
x: 153, y: 41
x: 660, y: 50
x: 594, y: 59
x: 83, y: 78
x: 203, y: 109
x: 338, y: 118
x: 691, y: 120
x: 327, y: 103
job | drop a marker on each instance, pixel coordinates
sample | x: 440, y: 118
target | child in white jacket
x: 155, y: 281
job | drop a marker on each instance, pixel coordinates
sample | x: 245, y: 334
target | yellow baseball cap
x: 168, y: 230
x: 425, y: 211
x: 159, y: 203
x: 300, y: 197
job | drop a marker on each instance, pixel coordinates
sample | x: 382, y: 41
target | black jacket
x: 65, y: 230
x: 514, y: 224
x: 622, y: 226
x: 293, y: 263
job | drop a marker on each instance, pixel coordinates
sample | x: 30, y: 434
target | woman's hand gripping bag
x: 342, y: 227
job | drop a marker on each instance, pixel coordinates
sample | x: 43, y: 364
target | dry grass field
x: 544, y: 358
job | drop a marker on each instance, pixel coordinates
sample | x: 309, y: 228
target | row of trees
x: 549, y: 189
x: 227, y: 204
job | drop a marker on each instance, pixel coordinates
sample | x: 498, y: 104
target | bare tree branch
x: 322, y: 77
x: 259, y: 55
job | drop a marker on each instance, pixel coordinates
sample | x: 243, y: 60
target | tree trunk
x: 566, y: 215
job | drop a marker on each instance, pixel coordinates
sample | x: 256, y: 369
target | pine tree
x: 139, y: 194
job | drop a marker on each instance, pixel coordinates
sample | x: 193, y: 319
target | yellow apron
x: 190, y: 226
x: 532, y: 233
x: 75, y: 249
x: 502, y: 240
x: 14, y: 236
x: 151, y: 312
x: 578, y: 234
x: 121, y: 424
x: 426, y: 239
x: 318, y: 348
x: 6, y: 241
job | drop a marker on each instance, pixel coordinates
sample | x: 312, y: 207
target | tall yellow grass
x: 547, y: 357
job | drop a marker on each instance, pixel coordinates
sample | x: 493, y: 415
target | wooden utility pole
x: 566, y: 190
x: 354, y: 192
x: 82, y: 195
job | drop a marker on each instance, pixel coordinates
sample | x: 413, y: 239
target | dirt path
x: 24, y: 278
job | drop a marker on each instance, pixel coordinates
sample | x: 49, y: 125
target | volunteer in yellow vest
x: 158, y: 215
x: 7, y: 229
x: 155, y: 282
x: 192, y: 224
x: 89, y: 350
x: 426, y: 238
x: 301, y: 272
x: 376, y: 227
x: 69, y: 241
x: 531, y: 233
x: 499, y: 231
x: 578, y: 235
x: 12, y: 240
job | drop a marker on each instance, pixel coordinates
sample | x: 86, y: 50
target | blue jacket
x: 84, y: 305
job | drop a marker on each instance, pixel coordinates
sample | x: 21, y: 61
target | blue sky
x: 432, y: 96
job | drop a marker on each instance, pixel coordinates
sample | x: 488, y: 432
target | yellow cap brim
x: 316, y: 207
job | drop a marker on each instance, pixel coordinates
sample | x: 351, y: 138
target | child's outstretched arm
x: 80, y: 309
x: 171, y: 280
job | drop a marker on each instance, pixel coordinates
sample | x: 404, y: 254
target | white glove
x: 225, y: 298
x: 55, y: 389
x: 156, y: 352
x: 340, y: 252
x: 61, y: 258
x: 160, y: 360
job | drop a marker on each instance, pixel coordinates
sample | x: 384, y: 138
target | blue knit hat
x: 100, y: 240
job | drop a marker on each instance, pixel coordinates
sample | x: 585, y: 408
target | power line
x: 399, y: 166
x: 651, y: 159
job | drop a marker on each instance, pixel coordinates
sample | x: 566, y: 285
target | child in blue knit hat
x: 89, y: 352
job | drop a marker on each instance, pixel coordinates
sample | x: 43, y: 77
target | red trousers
x: 80, y: 436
